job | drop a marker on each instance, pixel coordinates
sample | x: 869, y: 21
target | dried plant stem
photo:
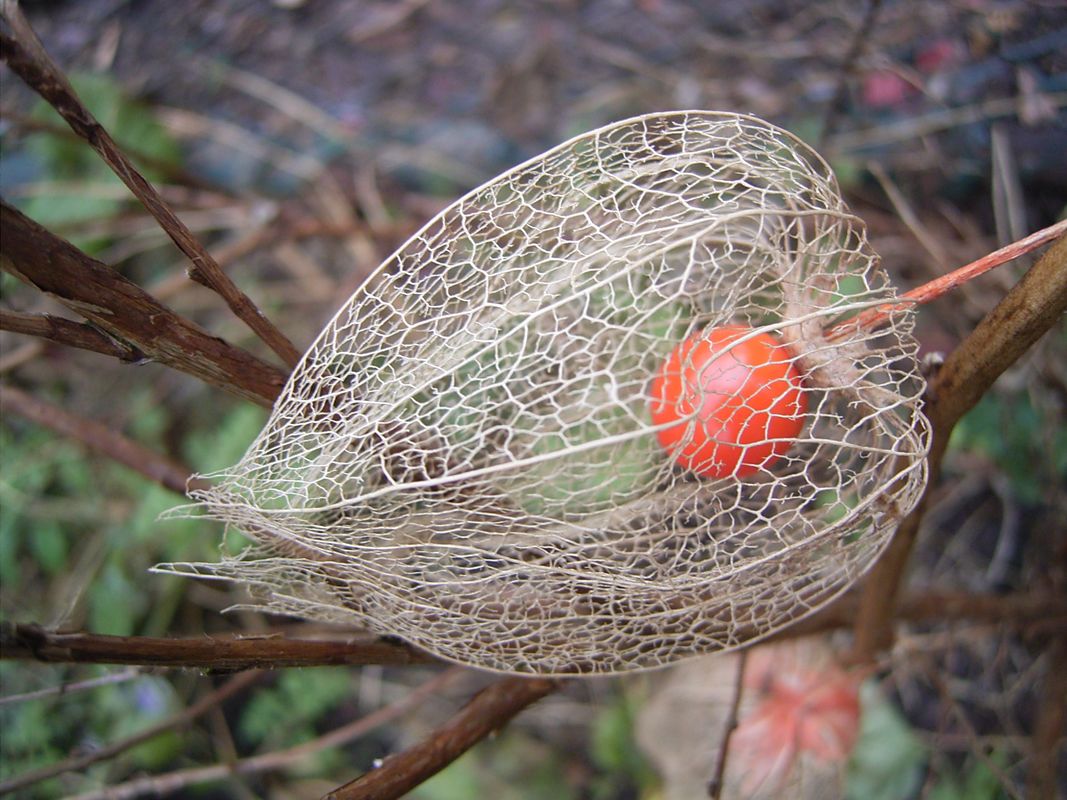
x: 67, y: 332
x: 26, y: 56
x: 228, y: 653
x: 952, y: 706
x: 66, y: 689
x: 939, y: 286
x: 909, y: 216
x: 22, y: 355
x: 913, y: 128
x: 932, y: 290
x: 486, y: 713
x: 128, y: 313
x: 183, y: 717
x: 160, y: 785
x: 1030, y: 309
x: 99, y: 438
x: 715, y: 785
x: 1050, y: 725
x: 27, y: 641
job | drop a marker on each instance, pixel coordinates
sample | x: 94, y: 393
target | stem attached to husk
x: 931, y: 290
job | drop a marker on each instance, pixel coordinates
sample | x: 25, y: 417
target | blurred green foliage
x: 888, y: 759
x: 976, y: 782
x: 77, y: 536
x: 43, y: 731
x: 517, y: 766
x: 91, y: 525
x: 616, y: 755
x: 63, y: 159
x: 1023, y: 441
x: 285, y: 713
x: 514, y: 766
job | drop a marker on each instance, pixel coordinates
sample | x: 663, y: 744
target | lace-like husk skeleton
x: 465, y: 457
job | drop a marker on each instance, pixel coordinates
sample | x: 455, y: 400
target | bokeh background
x: 304, y: 140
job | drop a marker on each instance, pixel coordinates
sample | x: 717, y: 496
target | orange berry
x: 737, y: 411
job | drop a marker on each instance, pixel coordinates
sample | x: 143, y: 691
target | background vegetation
x: 304, y: 141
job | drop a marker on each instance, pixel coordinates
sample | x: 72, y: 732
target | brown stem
x: 28, y: 641
x: 486, y: 713
x: 99, y: 438
x: 1030, y: 309
x: 873, y: 317
x: 27, y: 58
x: 67, y: 689
x: 22, y: 355
x: 183, y: 717
x: 717, y: 782
x: 223, y: 653
x: 67, y: 332
x: 128, y: 313
x: 1051, y: 723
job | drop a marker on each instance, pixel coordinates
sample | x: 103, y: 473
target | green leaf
x: 287, y: 712
x: 222, y: 444
x: 979, y: 782
x: 459, y: 781
x: 65, y: 159
x: 615, y: 752
x: 834, y: 505
x: 887, y: 761
x: 1029, y: 446
x: 114, y: 602
x: 131, y: 122
x: 140, y: 704
x: 48, y: 545
x: 849, y: 172
x: 511, y: 767
x: 596, y: 479
x: 159, y: 751
x: 9, y: 568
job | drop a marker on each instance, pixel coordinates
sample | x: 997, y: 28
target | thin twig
x: 183, y: 717
x: 1009, y: 209
x: 274, y: 233
x: 71, y: 688
x: 26, y: 56
x: 715, y: 785
x: 128, y: 313
x: 160, y: 785
x: 170, y: 171
x: 197, y: 127
x: 847, y: 69
x: 908, y: 215
x: 16, y: 358
x: 225, y: 653
x: 910, y: 128
x: 67, y: 332
x: 1029, y: 310
x: 100, y: 439
x: 931, y: 290
x: 938, y: 287
x: 291, y: 104
x: 29, y: 641
x: 486, y: 713
x: 935, y: 676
